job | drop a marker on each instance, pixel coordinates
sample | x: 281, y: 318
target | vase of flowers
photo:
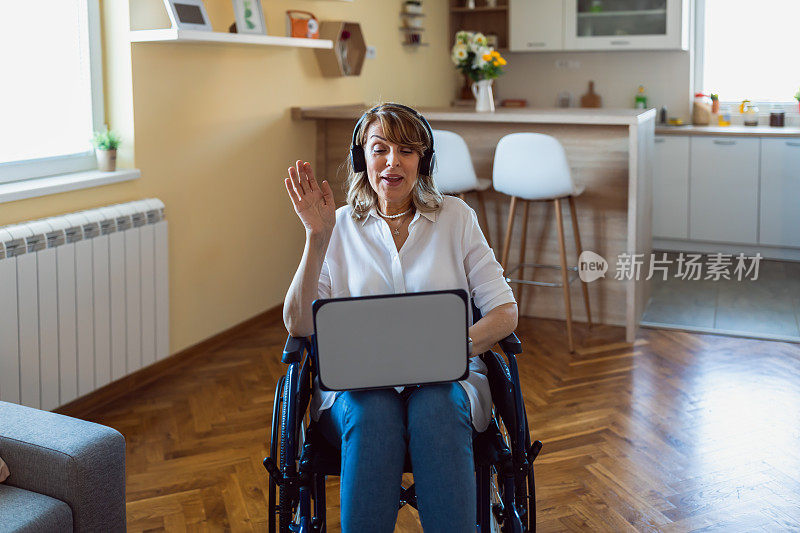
x: 480, y: 63
x: 797, y: 97
x: 105, y: 147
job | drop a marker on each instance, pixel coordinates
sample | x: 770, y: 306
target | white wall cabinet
x: 671, y: 187
x: 723, y: 193
x: 626, y: 25
x: 536, y: 25
x: 780, y: 192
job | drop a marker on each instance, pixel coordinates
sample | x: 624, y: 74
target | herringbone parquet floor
x: 678, y: 432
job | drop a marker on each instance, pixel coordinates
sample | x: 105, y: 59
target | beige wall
x: 666, y: 76
x: 213, y: 138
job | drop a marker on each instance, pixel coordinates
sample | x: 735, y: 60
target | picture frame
x: 249, y: 17
x: 188, y: 15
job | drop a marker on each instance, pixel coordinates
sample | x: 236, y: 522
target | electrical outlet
x: 371, y: 52
x: 562, y: 63
x: 573, y: 64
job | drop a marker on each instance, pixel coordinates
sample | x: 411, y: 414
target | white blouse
x: 444, y: 250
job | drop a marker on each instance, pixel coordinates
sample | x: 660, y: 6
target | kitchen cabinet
x: 671, y: 187
x: 626, y: 25
x: 536, y: 25
x: 723, y: 192
x: 780, y: 192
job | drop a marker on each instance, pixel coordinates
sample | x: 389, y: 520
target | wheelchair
x: 301, y: 457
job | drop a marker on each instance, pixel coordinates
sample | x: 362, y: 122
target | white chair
x: 454, y: 173
x: 533, y: 167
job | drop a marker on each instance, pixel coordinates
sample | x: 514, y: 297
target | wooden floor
x: 679, y: 432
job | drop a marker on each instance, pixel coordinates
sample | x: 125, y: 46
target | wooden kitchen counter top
x: 605, y: 117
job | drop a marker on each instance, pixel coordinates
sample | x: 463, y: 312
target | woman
x: 398, y: 234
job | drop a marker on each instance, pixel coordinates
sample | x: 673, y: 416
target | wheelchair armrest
x: 511, y: 345
x: 293, y: 351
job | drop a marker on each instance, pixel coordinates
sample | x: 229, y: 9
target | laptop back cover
x: 392, y: 340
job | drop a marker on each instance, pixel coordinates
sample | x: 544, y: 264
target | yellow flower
x: 502, y: 61
x: 486, y: 57
x: 496, y: 63
x: 495, y: 53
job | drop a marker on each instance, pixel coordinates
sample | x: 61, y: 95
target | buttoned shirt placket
x: 398, y: 281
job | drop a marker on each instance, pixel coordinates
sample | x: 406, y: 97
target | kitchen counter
x: 528, y: 115
x: 734, y: 131
x: 610, y: 152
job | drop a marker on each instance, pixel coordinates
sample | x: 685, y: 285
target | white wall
x: 666, y: 76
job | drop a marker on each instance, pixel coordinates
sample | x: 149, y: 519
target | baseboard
x: 767, y: 252
x: 85, y: 405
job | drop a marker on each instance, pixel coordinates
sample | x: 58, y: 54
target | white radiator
x: 83, y: 301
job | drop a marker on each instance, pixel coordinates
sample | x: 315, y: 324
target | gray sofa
x: 66, y: 474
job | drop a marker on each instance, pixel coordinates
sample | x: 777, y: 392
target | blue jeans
x: 374, y: 428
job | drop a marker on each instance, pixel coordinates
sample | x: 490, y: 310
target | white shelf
x: 166, y: 35
x: 634, y: 13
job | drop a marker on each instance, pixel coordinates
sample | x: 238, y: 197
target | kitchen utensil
x: 591, y: 98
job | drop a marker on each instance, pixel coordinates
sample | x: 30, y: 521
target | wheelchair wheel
x: 508, y: 502
x: 273, y: 449
x: 287, y: 494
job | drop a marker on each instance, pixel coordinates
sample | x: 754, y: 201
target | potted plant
x: 105, y: 145
x: 797, y: 97
x: 480, y: 63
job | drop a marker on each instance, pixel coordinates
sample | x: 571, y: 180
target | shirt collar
x: 373, y: 213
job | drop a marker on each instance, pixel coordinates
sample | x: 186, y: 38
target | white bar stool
x: 454, y: 173
x: 533, y: 167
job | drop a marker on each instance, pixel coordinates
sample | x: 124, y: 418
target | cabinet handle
x: 727, y: 143
x: 532, y: 45
x: 790, y: 143
x: 659, y: 141
x: 620, y: 42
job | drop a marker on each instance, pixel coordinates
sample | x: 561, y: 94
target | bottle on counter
x: 701, y: 110
x: 777, y: 116
x: 640, y: 100
x: 724, y: 116
x: 662, y: 116
x: 750, y: 113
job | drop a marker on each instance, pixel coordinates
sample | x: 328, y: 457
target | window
x: 744, y: 50
x: 51, y: 95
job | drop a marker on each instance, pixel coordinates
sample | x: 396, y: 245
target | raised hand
x: 312, y: 203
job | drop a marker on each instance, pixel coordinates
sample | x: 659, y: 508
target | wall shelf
x: 166, y: 35
x: 485, y: 19
x: 482, y: 9
x: 345, y: 57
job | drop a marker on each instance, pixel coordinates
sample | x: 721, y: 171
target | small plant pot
x: 106, y: 160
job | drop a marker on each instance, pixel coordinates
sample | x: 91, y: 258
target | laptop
x: 391, y: 340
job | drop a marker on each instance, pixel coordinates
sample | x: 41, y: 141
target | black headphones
x: 359, y: 161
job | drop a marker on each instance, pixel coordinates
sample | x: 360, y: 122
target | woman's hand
x: 312, y: 203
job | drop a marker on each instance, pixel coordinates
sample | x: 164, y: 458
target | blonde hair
x: 400, y: 126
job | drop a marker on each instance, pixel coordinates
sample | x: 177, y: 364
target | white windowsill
x: 19, y: 190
